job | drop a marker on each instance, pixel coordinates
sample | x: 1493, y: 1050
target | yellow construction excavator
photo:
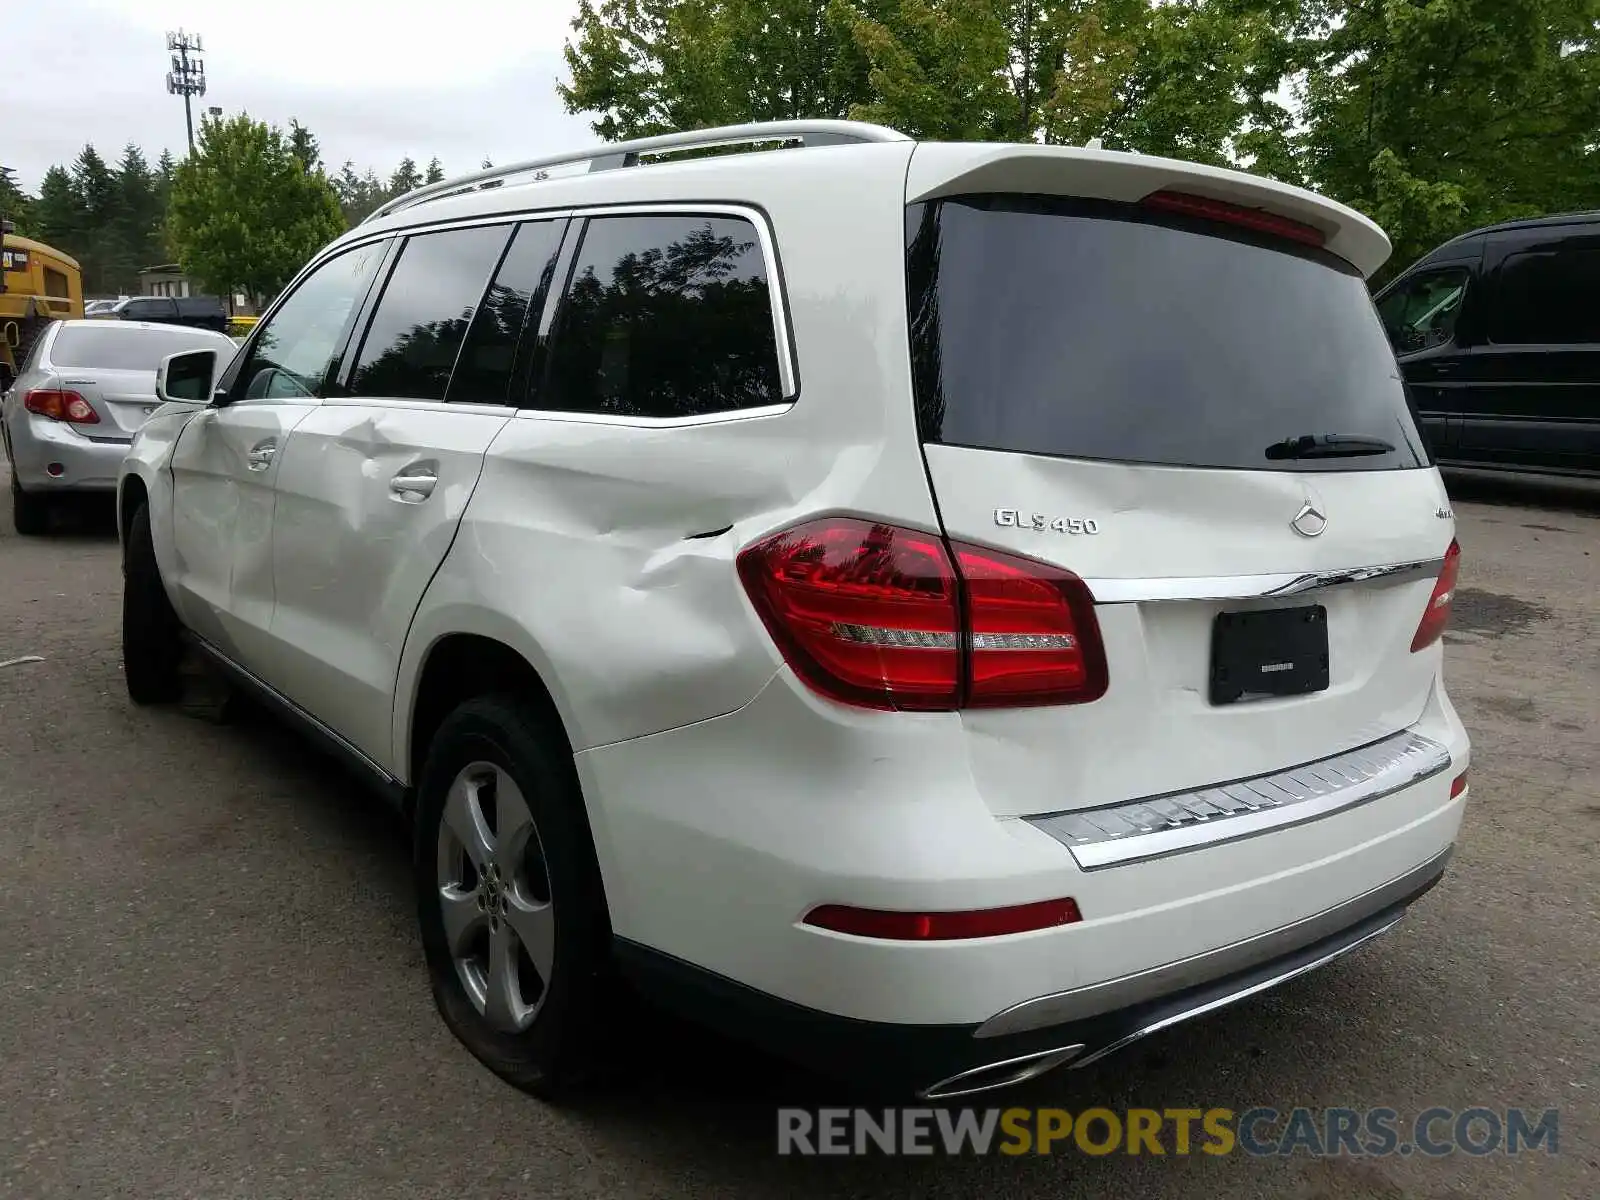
x: 38, y: 284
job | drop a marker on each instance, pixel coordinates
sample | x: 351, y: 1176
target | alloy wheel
x: 494, y: 897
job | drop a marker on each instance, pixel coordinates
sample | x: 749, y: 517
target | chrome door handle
x: 414, y: 484
x: 260, y: 456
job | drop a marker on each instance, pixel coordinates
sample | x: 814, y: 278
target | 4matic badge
x: 1015, y: 518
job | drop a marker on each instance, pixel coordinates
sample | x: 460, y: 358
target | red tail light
x: 60, y: 406
x: 1034, y: 636
x: 863, y: 612
x: 1235, y: 214
x: 1458, y: 785
x: 1437, y: 615
x: 944, y: 926
x: 881, y: 617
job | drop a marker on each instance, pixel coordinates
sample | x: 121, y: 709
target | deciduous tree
x: 244, y: 215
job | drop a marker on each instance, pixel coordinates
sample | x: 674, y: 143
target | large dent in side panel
x: 614, y: 549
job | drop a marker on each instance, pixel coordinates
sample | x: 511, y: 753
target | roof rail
x: 626, y: 154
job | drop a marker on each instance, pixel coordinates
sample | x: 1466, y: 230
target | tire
x: 534, y: 899
x: 30, y: 512
x: 152, y: 645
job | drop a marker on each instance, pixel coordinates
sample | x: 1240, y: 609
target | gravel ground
x: 212, y: 987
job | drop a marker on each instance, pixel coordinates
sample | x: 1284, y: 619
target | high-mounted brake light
x: 944, y: 926
x: 882, y: 617
x: 60, y: 406
x: 1235, y: 214
x: 1437, y: 615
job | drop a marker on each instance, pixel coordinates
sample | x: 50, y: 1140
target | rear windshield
x: 119, y: 348
x: 1104, y: 331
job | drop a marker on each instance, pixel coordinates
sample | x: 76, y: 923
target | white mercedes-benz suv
x: 941, y: 611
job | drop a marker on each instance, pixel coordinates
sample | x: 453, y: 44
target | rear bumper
x: 86, y: 465
x: 716, y: 839
x: 939, y: 1061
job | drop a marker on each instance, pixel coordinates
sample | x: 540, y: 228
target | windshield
x: 120, y: 348
x: 1094, y: 330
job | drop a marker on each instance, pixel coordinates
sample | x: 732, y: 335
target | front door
x: 1421, y: 317
x: 225, y: 465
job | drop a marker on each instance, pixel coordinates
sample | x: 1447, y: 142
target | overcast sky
x: 375, y: 81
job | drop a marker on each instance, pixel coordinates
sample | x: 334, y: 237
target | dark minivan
x: 1498, y: 335
x: 200, y: 312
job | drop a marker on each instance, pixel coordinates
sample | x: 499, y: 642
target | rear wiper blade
x: 1328, y: 445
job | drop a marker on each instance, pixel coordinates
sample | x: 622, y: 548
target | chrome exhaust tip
x: 1005, y: 1073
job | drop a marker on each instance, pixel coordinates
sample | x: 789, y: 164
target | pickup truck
x: 201, y: 312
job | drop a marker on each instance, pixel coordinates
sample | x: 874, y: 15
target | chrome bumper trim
x: 1095, y: 999
x: 1163, y: 825
x: 1253, y: 587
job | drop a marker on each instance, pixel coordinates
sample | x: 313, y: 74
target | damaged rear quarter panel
x: 604, y: 553
x: 609, y: 550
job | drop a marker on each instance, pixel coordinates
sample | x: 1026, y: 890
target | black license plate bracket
x: 1269, y: 652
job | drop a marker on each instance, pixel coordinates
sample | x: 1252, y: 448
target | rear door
x: 1537, y: 375
x: 372, y: 486
x: 1202, y: 420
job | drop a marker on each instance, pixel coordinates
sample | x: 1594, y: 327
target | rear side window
x: 666, y: 316
x: 422, y: 318
x: 488, y: 357
x: 118, y: 348
x: 1548, y: 297
x: 1104, y: 331
x: 149, y: 310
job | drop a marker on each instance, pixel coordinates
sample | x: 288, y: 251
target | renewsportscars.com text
x: 1259, y: 1132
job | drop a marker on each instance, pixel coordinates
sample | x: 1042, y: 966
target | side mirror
x: 13, y: 334
x: 187, y: 378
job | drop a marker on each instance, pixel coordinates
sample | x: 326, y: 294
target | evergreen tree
x: 303, y: 144
x: 136, y: 227
x: 58, y: 214
x: 15, y: 205
x: 405, y: 178
x: 435, y: 172
x: 96, y: 189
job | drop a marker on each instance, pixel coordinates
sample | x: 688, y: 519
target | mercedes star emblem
x: 1310, y: 521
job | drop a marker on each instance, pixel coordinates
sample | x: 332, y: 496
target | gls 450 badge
x: 1014, y: 518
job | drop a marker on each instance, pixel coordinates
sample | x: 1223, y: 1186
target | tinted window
x: 1103, y: 331
x: 422, y: 317
x: 1422, y: 312
x: 148, y: 310
x: 118, y: 348
x: 1548, y: 297
x: 294, y: 348
x: 488, y: 357
x: 666, y: 317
